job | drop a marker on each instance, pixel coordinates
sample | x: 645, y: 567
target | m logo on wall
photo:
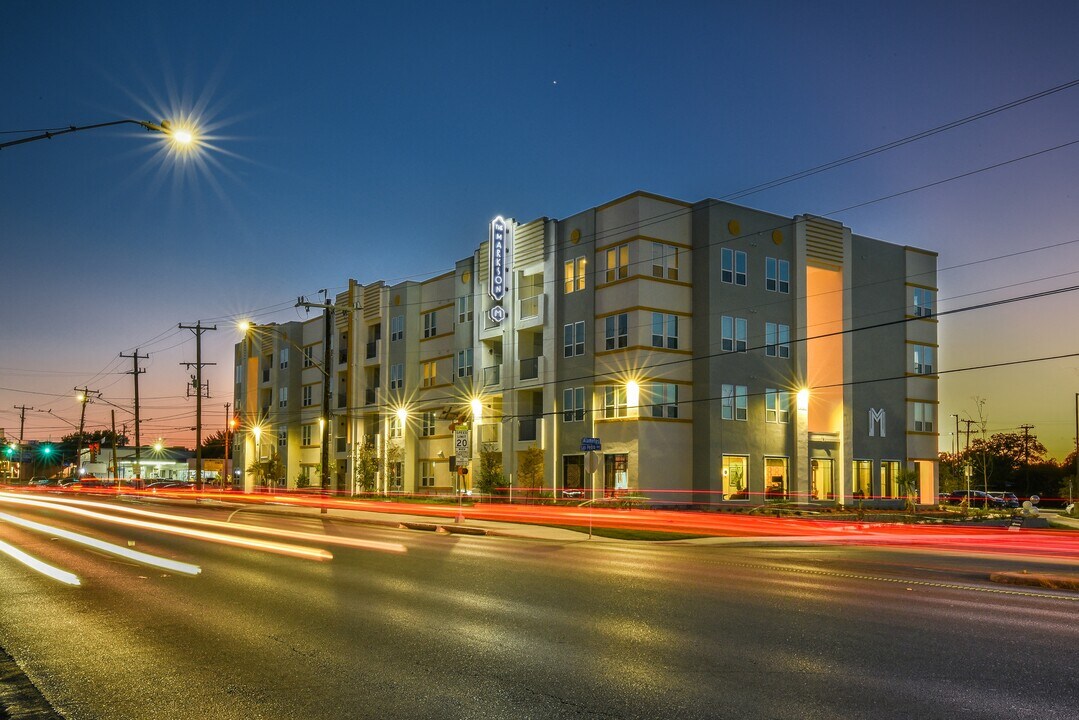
x: 876, y: 420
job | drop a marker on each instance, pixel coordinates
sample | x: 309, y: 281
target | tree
x: 103, y: 437
x: 907, y: 482
x: 268, y: 471
x: 530, y: 469
x: 365, y: 468
x: 490, y: 475
x: 214, y: 445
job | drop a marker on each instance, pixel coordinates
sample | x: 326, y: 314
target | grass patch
x: 628, y: 534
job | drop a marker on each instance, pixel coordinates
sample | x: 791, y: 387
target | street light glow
x: 477, y: 409
x: 803, y: 399
x: 243, y: 326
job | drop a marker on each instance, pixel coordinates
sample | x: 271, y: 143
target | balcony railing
x: 372, y: 350
x: 530, y: 368
x: 492, y: 375
x: 530, y: 306
x: 342, y: 356
x: 369, y: 396
x: 342, y: 400
x: 530, y: 311
x: 342, y: 444
x: 266, y: 375
x: 526, y: 432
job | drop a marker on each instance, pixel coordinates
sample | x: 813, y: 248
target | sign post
x: 462, y: 448
x: 591, y: 447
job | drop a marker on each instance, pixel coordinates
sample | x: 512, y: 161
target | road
x: 493, y: 627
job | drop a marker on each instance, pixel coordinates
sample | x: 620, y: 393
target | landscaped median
x: 1052, y: 581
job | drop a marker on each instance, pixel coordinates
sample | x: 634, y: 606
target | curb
x: 19, y: 697
x: 1043, y: 580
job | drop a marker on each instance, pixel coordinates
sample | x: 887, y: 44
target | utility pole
x: 955, y: 445
x: 1026, y: 457
x: 136, y: 371
x: 22, y: 419
x: 225, y: 472
x: 115, y: 462
x: 84, y: 397
x: 327, y: 331
x: 1072, y: 482
x: 968, y: 422
x: 198, y: 329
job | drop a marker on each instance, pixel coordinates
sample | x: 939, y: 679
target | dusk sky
x: 376, y: 141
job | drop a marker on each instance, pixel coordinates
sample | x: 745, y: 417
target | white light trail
x: 44, y: 568
x: 135, y: 555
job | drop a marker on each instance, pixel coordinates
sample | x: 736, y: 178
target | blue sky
x: 344, y: 132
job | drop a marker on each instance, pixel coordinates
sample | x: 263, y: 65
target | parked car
x: 1006, y: 498
x: 975, y: 498
x: 44, y: 483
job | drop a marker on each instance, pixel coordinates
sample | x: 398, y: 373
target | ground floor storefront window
x: 862, y: 477
x: 735, y: 477
x: 776, y: 478
x: 615, y: 473
x: 889, y: 478
x: 573, y: 476
x: 822, y: 479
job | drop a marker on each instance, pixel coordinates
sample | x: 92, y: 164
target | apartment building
x: 715, y: 354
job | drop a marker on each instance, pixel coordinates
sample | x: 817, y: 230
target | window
x: 396, y: 426
x: 734, y: 334
x: 665, y: 331
x: 889, y: 478
x: 923, y: 417
x: 282, y: 397
x: 733, y: 266
x: 283, y: 358
x: 427, y: 473
x: 923, y: 360
x: 430, y: 324
x: 282, y: 437
x: 617, y: 263
x: 573, y: 339
x: 777, y: 338
x: 427, y: 424
x: 308, y: 356
x: 616, y: 331
x: 862, y: 479
x: 305, y: 434
x: 397, y: 328
x: 573, y: 404
x: 464, y: 308
x: 734, y: 402
x: 735, y: 477
x: 574, y: 274
x: 664, y: 400
x: 923, y: 302
x: 775, y: 478
x: 777, y: 406
x: 464, y: 363
x: 307, y: 395
x: 664, y: 261
x: 614, y: 401
x: 429, y: 376
x: 777, y: 275
x: 397, y: 376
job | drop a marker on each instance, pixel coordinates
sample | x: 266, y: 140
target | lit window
x: 573, y: 404
x: 396, y: 426
x: 614, y: 401
x: 665, y: 331
x: 735, y: 477
x: 574, y: 275
x: 617, y: 263
x: 429, y: 370
x: 862, y: 479
x: 616, y: 331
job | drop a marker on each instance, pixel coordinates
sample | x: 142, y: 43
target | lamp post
x: 257, y: 432
x: 181, y: 137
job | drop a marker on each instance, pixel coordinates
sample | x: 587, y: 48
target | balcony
x: 531, y: 311
x: 342, y: 444
x: 370, y: 396
x: 265, y: 375
x: 342, y: 400
x: 530, y: 369
x: 371, y: 352
x: 492, y: 375
x: 527, y: 430
x: 342, y: 356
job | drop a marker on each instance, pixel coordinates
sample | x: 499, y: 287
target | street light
x: 181, y: 137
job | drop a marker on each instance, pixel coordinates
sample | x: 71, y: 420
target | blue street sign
x: 589, y: 444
